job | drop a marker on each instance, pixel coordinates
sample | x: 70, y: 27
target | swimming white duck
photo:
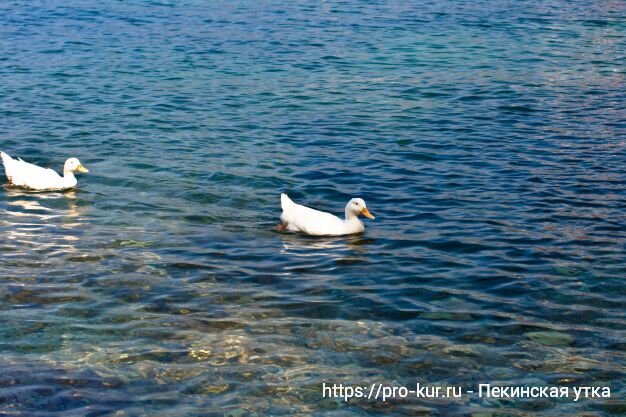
x: 297, y: 218
x: 23, y: 174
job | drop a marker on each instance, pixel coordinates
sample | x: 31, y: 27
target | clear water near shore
x: 487, y: 138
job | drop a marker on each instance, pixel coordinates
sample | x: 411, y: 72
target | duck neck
x: 69, y: 179
x: 352, y: 223
x: 350, y: 215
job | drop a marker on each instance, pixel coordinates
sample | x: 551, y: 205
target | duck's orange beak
x: 367, y: 214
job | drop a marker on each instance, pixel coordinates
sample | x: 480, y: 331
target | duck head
x: 355, y: 207
x: 74, y: 165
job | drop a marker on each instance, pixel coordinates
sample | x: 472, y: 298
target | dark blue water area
x: 487, y: 137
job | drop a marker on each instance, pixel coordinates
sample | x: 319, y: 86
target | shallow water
x: 488, y: 139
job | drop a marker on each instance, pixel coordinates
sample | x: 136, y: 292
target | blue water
x: 488, y: 138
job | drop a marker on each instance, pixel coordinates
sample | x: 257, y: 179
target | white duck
x: 23, y: 174
x: 297, y: 218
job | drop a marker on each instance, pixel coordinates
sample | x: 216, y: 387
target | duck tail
x: 5, y: 158
x: 285, y: 201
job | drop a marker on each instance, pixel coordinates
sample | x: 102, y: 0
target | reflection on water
x: 334, y: 247
x: 31, y: 200
x: 45, y: 222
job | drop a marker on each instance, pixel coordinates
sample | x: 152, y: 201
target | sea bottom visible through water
x: 487, y: 138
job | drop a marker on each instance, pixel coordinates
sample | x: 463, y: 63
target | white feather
x: 298, y: 218
x: 23, y: 174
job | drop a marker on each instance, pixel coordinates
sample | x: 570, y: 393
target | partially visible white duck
x: 297, y: 218
x: 23, y: 174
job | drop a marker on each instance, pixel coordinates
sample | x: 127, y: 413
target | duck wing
x: 22, y: 173
x: 299, y: 218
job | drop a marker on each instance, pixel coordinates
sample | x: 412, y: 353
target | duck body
x: 298, y: 218
x: 22, y: 174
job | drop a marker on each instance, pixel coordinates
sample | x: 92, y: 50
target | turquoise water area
x: 487, y: 137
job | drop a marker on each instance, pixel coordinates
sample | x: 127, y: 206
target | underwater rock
x: 550, y: 338
x: 461, y: 350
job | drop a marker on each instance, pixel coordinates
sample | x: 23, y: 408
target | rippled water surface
x: 488, y: 138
